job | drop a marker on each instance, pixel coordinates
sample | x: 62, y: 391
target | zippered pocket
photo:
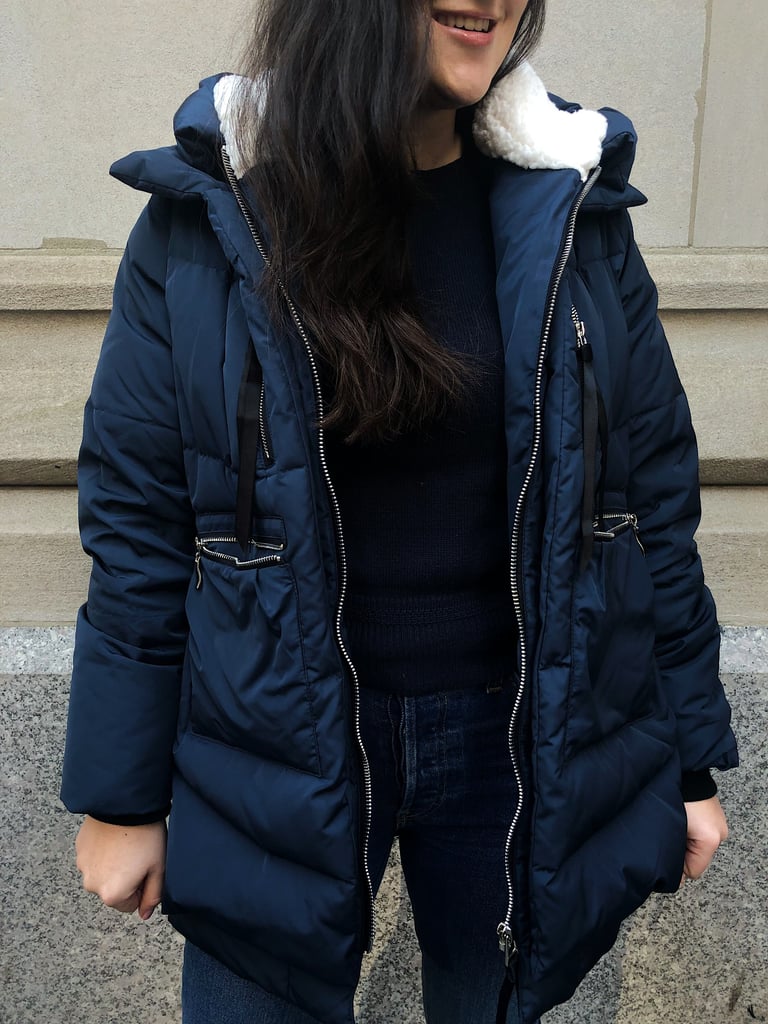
x: 252, y: 427
x: 253, y: 439
x: 203, y: 549
x: 265, y: 438
x: 247, y: 677
x: 594, y: 430
x: 613, y: 524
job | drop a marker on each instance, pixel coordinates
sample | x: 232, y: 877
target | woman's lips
x: 469, y: 37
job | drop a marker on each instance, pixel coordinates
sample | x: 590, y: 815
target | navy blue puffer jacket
x: 215, y: 683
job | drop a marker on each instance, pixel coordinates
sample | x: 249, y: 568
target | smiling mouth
x: 482, y: 25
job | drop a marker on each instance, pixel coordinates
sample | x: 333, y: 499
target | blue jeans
x: 443, y: 785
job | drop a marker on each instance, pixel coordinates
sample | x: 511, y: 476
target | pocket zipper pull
x: 198, y: 566
x: 632, y: 519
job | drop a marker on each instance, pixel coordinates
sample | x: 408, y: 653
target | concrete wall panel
x: 732, y: 203
x: 89, y: 83
x: 734, y: 552
x: 722, y: 358
x: 50, y: 358
x: 43, y: 569
x: 646, y: 60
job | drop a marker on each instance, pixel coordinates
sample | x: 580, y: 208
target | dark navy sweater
x: 425, y: 521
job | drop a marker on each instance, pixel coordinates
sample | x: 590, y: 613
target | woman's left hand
x: 707, y: 828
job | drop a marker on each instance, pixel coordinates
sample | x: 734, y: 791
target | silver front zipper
x: 365, y: 764
x: 507, y: 943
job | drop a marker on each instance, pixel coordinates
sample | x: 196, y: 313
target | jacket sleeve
x: 136, y: 524
x: 664, y: 493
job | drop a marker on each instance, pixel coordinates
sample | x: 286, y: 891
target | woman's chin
x: 453, y: 95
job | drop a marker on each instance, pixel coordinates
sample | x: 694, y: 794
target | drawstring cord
x: 594, y: 427
x: 248, y: 443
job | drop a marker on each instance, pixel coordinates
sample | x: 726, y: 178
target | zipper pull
x: 198, y: 567
x: 583, y: 346
x: 581, y: 334
x: 507, y: 944
x: 632, y: 520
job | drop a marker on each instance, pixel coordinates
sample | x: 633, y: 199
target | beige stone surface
x: 732, y: 201
x: 646, y: 60
x: 44, y: 573
x: 90, y: 83
x: 48, y: 361
x: 733, y: 542
x: 722, y: 358
x: 710, y: 279
x: 58, y: 278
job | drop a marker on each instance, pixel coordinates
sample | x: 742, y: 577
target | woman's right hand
x: 123, y: 864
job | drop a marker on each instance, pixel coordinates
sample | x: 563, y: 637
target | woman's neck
x: 435, y: 141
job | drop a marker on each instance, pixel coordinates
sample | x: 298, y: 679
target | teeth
x: 459, y: 21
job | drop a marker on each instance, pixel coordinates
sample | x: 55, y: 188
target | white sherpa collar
x: 516, y: 121
x: 519, y: 122
x: 227, y: 94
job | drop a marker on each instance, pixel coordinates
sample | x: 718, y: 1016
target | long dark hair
x: 331, y: 168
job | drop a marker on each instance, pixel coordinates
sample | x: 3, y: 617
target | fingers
x: 700, y: 851
x: 696, y: 863
x: 114, y: 896
x: 123, y: 866
x: 151, y: 894
x: 707, y: 829
x: 125, y: 906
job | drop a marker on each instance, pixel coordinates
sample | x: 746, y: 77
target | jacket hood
x: 518, y: 121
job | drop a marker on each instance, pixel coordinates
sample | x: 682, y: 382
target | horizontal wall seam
x: 60, y: 470
x: 59, y: 280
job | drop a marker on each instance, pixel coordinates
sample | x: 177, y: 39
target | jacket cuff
x: 698, y: 786
x: 132, y: 819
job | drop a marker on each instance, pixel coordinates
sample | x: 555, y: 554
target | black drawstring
x: 248, y: 444
x: 505, y: 997
x: 594, y: 426
x: 590, y: 427
x: 510, y: 979
x: 602, y: 426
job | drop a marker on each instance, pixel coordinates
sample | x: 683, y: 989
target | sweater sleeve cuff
x: 132, y: 819
x: 698, y: 786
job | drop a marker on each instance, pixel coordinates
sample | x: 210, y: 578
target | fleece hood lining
x: 516, y: 121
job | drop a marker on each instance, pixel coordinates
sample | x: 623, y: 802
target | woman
x: 384, y: 281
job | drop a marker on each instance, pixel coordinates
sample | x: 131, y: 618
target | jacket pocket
x: 613, y: 676
x: 248, y: 681
x: 257, y: 554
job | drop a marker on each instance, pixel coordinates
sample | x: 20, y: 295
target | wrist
x: 698, y: 785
